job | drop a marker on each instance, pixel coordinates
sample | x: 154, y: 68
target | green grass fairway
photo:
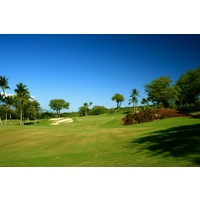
x: 102, y: 141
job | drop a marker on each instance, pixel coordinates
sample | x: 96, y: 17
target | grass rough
x: 102, y: 141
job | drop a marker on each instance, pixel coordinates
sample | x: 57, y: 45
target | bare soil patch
x: 168, y: 113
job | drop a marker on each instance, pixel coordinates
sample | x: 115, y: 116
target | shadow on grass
x: 182, y: 141
x: 30, y: 123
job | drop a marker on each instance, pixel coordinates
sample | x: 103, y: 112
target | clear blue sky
x: 84, y: 68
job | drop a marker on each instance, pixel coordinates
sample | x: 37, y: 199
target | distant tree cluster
x: 20, y: 104
x: 86, y: 109
x: 119, y: 98
x: 184, y: 94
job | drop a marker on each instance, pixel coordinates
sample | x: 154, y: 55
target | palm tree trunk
x: 21, y: 118
x: 35, y: 119
x: 6, y: 117
x: 0, y: 121
x: 10, y: 118
x: 6, y: 106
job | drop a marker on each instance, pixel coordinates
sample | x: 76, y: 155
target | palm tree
x: 86, y: 108
x: 90, y: 104
x: 4, y: 86
x: 144, y: 102
x: 1, y: 111
x: 35, y: 109
x: 10, y: 101
x: 22, y: 95
x: 133, y: 99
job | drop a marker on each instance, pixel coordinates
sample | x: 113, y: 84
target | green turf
x: 102, y: 141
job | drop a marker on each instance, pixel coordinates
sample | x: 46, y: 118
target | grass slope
x: 102, y: 141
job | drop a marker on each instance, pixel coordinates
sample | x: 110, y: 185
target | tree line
x: 25, y: 106
x: 184, y: 94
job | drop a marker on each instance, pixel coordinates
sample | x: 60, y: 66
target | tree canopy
x: 189, y: 84
x: 160, y: 91
x: 58, y: 105
x: 4, y: 84
x: 119, y: 98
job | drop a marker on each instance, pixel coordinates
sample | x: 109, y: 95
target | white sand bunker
x: 58, y: 121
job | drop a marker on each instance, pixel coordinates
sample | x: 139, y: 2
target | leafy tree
x: 144, y: 102
x: 58, y: 105
x: 119, y: 99
x: 22, y: 96
x: 133, y: 99
x: 81, y: 111
x: 189, y: 85
x: 4, y: 86
x: 160, y: 91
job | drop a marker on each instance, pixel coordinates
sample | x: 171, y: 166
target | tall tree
x: 119, y: 98
x: 133, y: 99
x: 58, y: 105
x: 22, y: 96
x: 189, y: 84
x: 160, y: 91
x: 4, y: 86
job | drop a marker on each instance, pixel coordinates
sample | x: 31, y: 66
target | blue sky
x: 83, y: 68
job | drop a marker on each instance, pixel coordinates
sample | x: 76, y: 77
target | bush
x: 83, y: 111
x: 190, y: 107
x: 70, y: 114
x: 97, y: 110
x: 47, y: 115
